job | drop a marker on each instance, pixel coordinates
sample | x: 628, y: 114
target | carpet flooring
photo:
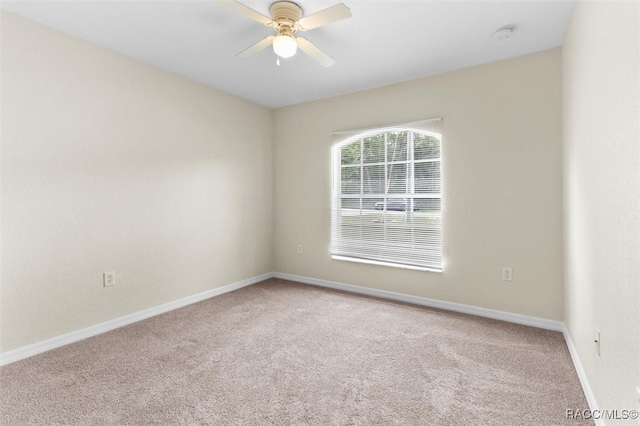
x: 283, y: 353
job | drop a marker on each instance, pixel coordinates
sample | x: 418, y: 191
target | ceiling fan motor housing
x: 285, y: 16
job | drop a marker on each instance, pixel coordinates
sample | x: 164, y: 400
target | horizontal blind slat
x: 386, y: 195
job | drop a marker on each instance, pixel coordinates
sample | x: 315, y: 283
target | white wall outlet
x: 109, y: 278
x: 299, y: 249
x: 597, y: 342
x: 507, y: 274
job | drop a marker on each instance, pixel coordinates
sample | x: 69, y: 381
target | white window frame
x: 433, y: 259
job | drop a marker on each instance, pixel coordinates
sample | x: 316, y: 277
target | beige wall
x: 110, y: 164
x: 601, y: 112
x: 502, y: 184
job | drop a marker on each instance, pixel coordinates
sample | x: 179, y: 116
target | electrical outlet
x: 597, y: 342
x: 299, y: 248
x: 109, y: 278
x: 507, y: 274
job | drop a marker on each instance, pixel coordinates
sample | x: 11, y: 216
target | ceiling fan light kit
x: 285, y: 46
x: 286, y: 18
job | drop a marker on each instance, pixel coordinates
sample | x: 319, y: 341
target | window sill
x: 393, y: 265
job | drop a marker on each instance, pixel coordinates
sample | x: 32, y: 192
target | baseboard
x: 55, y: 342
x: 591, y: 400
x: 432, y: 303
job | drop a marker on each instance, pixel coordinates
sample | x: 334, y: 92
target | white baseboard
x: 432, y: 303
x: 55, y: 342
x: 591, y: 400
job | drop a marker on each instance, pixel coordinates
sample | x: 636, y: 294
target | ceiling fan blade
x: 329, y: 15
x: 310, y: 49
x: 247, y: 11
x: 262, y: 44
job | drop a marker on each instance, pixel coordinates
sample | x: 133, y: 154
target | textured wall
x: 601, y: 112
x: 502, y: 200
x: 110, y: 164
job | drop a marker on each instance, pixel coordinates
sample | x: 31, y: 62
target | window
x: 386, y: 196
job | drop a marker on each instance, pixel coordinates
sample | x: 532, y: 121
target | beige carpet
x: 284, y: 353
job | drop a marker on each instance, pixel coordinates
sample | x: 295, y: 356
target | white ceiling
x: 383, y: 43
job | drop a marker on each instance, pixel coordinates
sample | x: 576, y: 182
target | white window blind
x: 386, y: 195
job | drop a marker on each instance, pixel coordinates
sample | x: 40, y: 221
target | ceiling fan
x: 286, y: 18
